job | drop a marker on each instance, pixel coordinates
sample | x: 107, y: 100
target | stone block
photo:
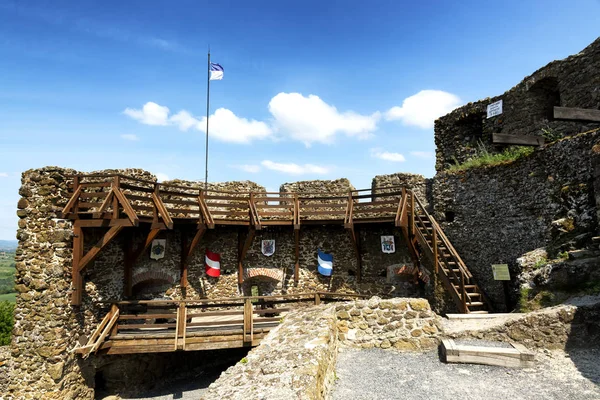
x: 419, y: 304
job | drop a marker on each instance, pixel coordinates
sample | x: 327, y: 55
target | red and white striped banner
x: 213, y: 264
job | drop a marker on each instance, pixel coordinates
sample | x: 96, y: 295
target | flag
x: 212, y: 261
x: 216, y: 72
x: 325, y: 261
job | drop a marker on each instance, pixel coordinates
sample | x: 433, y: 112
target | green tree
x: 6, y: 322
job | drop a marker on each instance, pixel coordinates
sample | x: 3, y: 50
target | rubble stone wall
x: 295, y: 361
x: 527, y: 109
x: 561, y: 327
x: 496, y: 214
x: 399, y: 323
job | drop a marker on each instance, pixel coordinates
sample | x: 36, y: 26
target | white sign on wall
x: 157, y: 251
x: 494, y: 109
x: 387, y: 244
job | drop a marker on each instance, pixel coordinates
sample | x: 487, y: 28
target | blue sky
x: 312, y: 89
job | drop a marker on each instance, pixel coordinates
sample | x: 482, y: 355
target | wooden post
x: 412, y: 214
x: 248, y: 334
x: 435, y: 251
x: 317, y: 298
x: 463, y: 291
x: 181, y: 311
x: 297, y: 249
x: 75, y: 187
x: 77, y: 279
x: 114, y: 309
x: 115, y: 203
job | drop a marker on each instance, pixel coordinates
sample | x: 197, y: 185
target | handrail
x: 198, y: 187
x: 229, y: 299
x: 444, y: 239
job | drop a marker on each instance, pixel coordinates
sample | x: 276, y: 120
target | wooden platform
x: 515, y: 356
x: 156, y: 326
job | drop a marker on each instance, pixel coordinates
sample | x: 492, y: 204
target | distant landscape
x: 7, y: 270
x: 8, y: 245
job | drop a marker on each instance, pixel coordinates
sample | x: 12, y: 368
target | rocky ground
x: 386, y: 374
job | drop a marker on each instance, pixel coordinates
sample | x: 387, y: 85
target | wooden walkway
x: 167, y: 325
x: 114, y: 202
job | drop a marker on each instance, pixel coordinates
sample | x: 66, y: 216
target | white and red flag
x: 213, y: 264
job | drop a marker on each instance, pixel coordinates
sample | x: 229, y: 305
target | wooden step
x: 479, y: 312
x: 474, y: 303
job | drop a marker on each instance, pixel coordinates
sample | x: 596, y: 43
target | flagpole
x: 207, y: 118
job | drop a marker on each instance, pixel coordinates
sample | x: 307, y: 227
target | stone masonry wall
x: 527, y: 109
x: 494, y: 215
x: 295, y: 361
x: 47, y: 327
x: 418, y: 183
x: 404, y: 324
x: 561, y: 327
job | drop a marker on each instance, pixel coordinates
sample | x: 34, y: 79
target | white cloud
x: 131, y: 137
x: 294, y: 169
x: 228, y: 127
x: 422, y: 154
x: 150, y: 114
x: 184, y: 120
x: 248, y: 168
x: 423, y: 108
x: 387, y: 156
x: 3, y: 175
x: 310, y: 119
x: 162, y: 177
x: 224, y: 124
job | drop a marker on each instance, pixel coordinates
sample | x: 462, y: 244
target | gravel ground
x: 383, y: 374
x: 185, y: 389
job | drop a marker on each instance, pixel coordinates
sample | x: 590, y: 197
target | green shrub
x: 484, y: 158
x: 6, y: 322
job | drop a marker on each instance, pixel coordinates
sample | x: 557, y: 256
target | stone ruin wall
x: 494, y: 215
x: 527, y: 108
x: 297, y: 359
x: 47, y: 327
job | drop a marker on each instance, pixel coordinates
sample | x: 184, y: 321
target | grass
x: 484, y: 158
x: 10, y: 297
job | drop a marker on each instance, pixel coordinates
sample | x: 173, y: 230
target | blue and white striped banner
x: 216, y: 72
x: 325, y: 261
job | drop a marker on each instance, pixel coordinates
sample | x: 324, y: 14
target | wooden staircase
x: 426, y: 240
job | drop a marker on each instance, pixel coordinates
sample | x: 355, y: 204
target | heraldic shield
x: 268, y: 247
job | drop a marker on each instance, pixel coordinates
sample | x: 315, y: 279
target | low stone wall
x: 404, y: 324
x: 295, y: 361
x: 560, y: 327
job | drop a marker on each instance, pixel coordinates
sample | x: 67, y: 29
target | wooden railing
x: 171, y: 325
x: 106, y: 197
x: 446, y: 262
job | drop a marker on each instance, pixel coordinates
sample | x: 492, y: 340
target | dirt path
x: 382, y: 374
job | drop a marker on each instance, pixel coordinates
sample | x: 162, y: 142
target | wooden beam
x: 188, y: 251
x: 297, y: 255
x: 520, y: 140
x: 242, y: 250
x: 93, y: 253
x: 577, y: 114
x: 72, y: 201
x: 127, y: 207
x: 104, y: 223
x: 77, y: 279
x: 162, y: 210
x: 99, y: 212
